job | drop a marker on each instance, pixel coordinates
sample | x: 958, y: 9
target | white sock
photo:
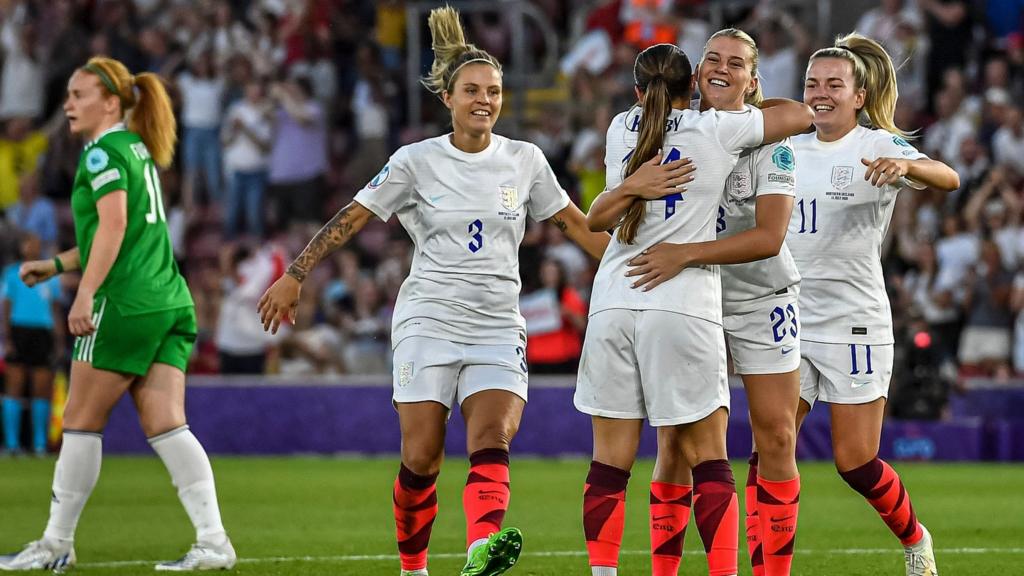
x: 603, y: 571
x: 78, y: 468
x: 476, y: 544
x: 192, y: 475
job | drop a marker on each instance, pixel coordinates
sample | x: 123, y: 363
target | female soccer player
x: 463, y: 198
x: 659, y: 354
x: 759, y: 301
x: 133, y: 314
x: 850, y: 170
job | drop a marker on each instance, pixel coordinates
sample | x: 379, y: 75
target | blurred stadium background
x: 329, y: 89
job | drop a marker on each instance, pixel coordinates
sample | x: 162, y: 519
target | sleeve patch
x: 783, y: 158
x: 105, y: 178
x: 96, y: 160
x: 899, y: 141
x: 786, y: 179
x: 380, y: 178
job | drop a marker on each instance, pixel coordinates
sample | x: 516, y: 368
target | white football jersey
x: 836, y: 234
x: 769, y: 169
x: 713, y: 140
x: 466, y: 214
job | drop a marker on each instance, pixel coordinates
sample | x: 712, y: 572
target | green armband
x: 58, y: 265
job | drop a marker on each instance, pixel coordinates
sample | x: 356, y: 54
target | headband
x: 459, y: 67
x: 105, y: 79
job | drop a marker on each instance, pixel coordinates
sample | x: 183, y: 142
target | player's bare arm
x: 281, y: 299
x: 664, y: 261
x: 106, y: 245
x: 36, y: 271
x: 651, y: 181
x: 573, y: 223
x: 882, y: 171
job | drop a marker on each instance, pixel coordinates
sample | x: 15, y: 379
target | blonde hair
x: 663, y: 73
x: 874, y: 72
x: 451, y: 51
x: 144, y: 96
x: 756, y: 97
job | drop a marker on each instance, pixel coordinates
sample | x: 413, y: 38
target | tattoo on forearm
x: 559, y: 223
x: 332, y: 236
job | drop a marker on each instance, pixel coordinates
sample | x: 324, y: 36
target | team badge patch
x: 405, y: 374
x: 842, y: 176
x: 96, y: 160
x: 509, y: 196
x: 739, y: 186
x: 380, y: 178
x: 783, y: 158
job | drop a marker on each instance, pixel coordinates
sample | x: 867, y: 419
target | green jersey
x: 144, y: 277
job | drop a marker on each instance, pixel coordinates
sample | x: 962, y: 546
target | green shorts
x: 132, y: 344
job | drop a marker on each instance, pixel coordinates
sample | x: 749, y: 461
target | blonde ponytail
x: 451, y: 51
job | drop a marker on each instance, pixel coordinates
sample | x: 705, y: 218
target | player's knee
x: 776, y: 439
x: 848, y: 458
x: 424, y: 462
x: 496, y: 434
x: 154, y: 423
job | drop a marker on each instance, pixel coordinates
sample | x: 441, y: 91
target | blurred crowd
x: 286, y: 108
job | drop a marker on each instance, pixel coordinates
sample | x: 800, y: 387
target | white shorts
x: 663, y: 366
x: 845, y: 373
x: 763, y: 334
x: 430, y: 369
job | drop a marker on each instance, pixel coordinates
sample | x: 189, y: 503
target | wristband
x: 58, y: 265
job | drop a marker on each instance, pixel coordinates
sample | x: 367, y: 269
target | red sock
x: 485, y: 498
x: 670, y: 513
x: 604, y: 513
x: 415, y: 505
x: 716, y: 509
x: 753, y: 522
x: 880, y: 484
x: 779, y: 505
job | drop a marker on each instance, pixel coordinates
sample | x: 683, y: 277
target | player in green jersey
x: 133, y: 315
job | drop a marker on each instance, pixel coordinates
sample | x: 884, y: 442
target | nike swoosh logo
x: 856, y: 384
x: 436, y: 198
x: 786, y: 351
x: 783, y: 519
x: 666, y: 516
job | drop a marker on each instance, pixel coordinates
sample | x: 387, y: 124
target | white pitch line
x: 545, y: 554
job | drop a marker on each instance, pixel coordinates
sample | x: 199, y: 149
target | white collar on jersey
x: 115, y: 128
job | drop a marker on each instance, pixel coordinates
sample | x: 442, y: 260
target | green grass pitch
x: 315, y: 516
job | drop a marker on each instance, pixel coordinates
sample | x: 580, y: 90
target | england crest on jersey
x: 509, y: 196
x: 842, y: 176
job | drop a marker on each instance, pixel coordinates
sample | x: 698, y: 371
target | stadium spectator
x: 783, y: 44
x: 242, y: 344
x: 1008, y: 142
x: 556, y: 319
x: 298, y: 157
x: 23, y: 73
x: 247, y: 138
x: 35, y: 214
x: 202, y: 99
x: 33, y: 333
x: 986, y: 339
x: 21, y: 149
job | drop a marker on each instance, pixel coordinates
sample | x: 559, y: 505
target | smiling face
x: 88, y: 105
x: 474, y: 99
x: 831, y: 91
x: 726, y: 73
